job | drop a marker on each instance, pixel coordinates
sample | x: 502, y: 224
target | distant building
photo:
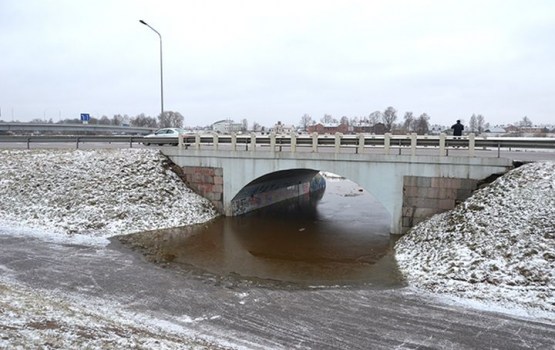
x: 328, y: 128
x: 367, y: 128
x: 494, y: 131
x: 280, y: 128
x: 226, y: 126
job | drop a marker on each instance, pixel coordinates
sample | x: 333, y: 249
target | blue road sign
x: 85, y: 117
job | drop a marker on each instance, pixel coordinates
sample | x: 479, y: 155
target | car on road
x: 162, y: 133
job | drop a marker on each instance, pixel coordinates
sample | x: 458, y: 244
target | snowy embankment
x: 98, y: 193
x: 498, y: 246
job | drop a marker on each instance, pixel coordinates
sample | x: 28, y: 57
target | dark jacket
x: 457, y: 129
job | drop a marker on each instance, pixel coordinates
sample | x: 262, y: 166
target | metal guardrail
x: 338, y: 143
x: 73, y: 127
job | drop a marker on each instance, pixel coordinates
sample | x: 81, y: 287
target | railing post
x: 131, y: 142
x: 180, y: 141
x: 471, y: 144
x: 338, y: 137
x: 197, y: 141
x: 315, y: 142
x: 413, y: 144
x: 442, y: 145
x: 233, y: 141
x: 253, y: 142
x: 28, y: 143
x: 360, y: 146
x: 215, y: 141
x: 77, y: 142
x: 272, y: 141
x: 293, y: 142
x: 386, y: 143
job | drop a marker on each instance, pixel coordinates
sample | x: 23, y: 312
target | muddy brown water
x: 340, y: 238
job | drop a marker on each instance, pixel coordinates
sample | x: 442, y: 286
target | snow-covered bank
x: 498, y: 246
x: 98, y: 193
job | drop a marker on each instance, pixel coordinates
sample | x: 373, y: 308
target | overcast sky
x: 277, y: 60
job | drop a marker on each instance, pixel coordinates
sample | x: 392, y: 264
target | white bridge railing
x: 361, y: 143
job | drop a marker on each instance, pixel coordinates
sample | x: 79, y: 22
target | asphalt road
x: 261, y: 316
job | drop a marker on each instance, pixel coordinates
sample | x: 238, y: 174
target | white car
x: 165, y: 132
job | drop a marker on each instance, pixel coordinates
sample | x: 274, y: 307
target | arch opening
x: 276, y: 187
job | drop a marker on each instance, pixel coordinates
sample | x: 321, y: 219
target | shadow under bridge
x: 275, y: 187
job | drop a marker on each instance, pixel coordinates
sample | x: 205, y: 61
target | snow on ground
x: 33, y: 320
x: 498, y: 246
x: 98, y: 193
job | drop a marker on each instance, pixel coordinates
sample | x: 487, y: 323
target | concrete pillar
x: 360, y: 143
x: 471, y: 144
x: 180, y: 141
x: 387, y: 143
x: 413, y: 144
x: 442, y: 150
x: 272, y: 141
x: 315, y: 142
x: 234, y: 141
x: 197, y: 141
x: 253, y: 142
x: 293, y: 142
x: 215, y: 141
x: 338, y: 137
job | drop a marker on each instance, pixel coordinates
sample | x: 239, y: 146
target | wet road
x: 253, y: 316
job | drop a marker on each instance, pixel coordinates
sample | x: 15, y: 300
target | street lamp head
x: 143, y: 22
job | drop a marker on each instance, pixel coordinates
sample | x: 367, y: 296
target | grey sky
x: 277, y: 60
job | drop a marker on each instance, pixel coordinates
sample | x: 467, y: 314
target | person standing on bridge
x: 457, y: 128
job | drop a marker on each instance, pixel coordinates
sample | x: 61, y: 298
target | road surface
x: 258, y: 315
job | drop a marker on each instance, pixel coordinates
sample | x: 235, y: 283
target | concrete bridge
x: 410, y: 187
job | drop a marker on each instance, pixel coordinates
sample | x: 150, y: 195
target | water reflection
x: 340, y: 238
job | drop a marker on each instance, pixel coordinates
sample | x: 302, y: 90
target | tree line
x: 409, y: 124
x: 168, y: 119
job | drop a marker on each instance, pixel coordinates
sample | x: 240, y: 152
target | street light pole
x: 161, y: 70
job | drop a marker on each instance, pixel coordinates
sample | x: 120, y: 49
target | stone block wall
x: 207, y: 182
x: 426, y: 196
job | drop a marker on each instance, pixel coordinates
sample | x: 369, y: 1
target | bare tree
x: 327, y: 119
x: 117, y: 119
x: 344, y: 120
x: 473, y: 123
x: 480, y: 124
x: 144, y: 121
x: 104, y: 120
x: 525, y: 122
x: 245, y: 125
x: 389, y: 116
x: 170, y: 119
x: 422, y: 124
x: 375, y: 117
x: 409, y: 123
x: 306, y: 120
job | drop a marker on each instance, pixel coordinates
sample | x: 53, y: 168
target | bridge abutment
x: 207, y: 182
x: 424, y: 197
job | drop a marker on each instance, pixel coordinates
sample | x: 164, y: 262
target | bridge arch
x: 272, y: 188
